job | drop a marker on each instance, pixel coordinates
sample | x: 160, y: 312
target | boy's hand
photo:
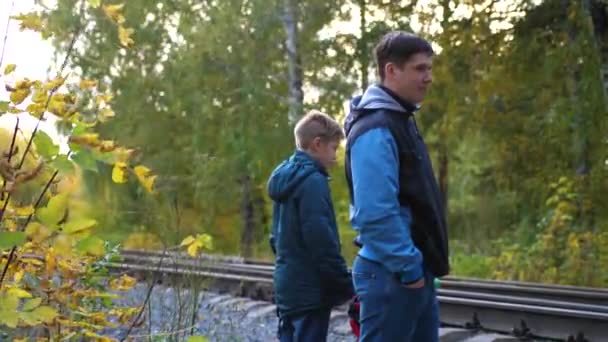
x: 416, y: 285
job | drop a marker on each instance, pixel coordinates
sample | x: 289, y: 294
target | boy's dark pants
x: 306, y: 327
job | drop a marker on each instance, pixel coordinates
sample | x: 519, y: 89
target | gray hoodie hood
x: 372, y: 99
x: 376, y: 98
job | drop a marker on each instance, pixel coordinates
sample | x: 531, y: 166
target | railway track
x: 523, y: 310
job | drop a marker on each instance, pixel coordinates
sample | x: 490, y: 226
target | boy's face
x: 324, y: 151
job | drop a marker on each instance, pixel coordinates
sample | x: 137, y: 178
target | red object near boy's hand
x: 353, y: 314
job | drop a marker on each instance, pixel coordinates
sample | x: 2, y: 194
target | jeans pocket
x: 363, y: 275
x: 362, y: 281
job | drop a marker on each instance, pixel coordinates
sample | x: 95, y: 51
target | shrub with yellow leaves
x: 197, y: 244
x: 567, y: 249
x: 53, y: 280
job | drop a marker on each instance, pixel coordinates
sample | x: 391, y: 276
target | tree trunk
x: 445, y: 124
x: 296, y: 95
x: 363, y: 46
x: 248, y: 216
x: 443, y: 175
x: 598, y: 15
x: 580, y: 140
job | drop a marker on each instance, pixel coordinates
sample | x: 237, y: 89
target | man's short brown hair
x: 316, y: 124
x: 397, y: 47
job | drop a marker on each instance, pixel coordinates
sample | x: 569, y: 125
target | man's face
x: 412, y: 79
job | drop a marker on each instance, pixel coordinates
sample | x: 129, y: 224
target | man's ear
x: 389, y: 69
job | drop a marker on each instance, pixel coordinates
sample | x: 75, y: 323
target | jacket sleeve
x: 321, y: 238
x: 384, y: 226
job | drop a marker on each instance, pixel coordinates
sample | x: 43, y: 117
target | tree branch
x: 63, y: 66
x: 8, y: 22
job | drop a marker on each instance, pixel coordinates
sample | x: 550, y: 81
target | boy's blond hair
x: 316, y: 124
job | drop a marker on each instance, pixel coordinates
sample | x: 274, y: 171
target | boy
x: 310, y: 275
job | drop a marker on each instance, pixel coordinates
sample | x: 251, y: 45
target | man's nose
x: 428, y: 78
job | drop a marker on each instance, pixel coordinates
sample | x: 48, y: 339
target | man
x: 395, y: 202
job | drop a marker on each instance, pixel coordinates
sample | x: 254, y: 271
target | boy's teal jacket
x: 310, y: 272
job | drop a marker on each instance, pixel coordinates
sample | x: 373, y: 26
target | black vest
x: 418, y: 188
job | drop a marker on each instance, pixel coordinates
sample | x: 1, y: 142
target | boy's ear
x: 315, y: 144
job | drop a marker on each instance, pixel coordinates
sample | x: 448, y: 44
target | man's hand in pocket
x: 415, y: 285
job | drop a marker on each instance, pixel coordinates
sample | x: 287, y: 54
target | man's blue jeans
x: 307, y: 327
x: 392, y: 312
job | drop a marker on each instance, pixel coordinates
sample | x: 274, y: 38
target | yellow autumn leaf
x: 206, y: 241
x: 45, y: 313
x: 201, y: 241
x: 29, y: 247
x: 10, y: 225
x: 91, y: 245
x: 119, y: 173
x: 8, y: 306
x: 8, y: 302
x: 123, y: 155
x: 124, y: 36
x: 37, y: 232
x: 193, y: 248
x: 78, y: 225
x: 187, y: 241
x: 32, y: 261
x: 55, y: 210
x: 14, y: 110
x: 9, y: 68
x: 197, y: 339
x: 23, y: 84
x: 94, y: 3
x: 60, y: 104
x: 78, y: 324
x: 123, y: 283
x: 57, y: 107
x: 87, y: 84
x: 19, y: 293
x: 25, y: 211
x: 63, y: 245
x: 35, y: 109
x: 144, y: 177
x: 29, y: 21
x: 96, y: 294
x: 54, y: 83
x: 18, y: 276
x: 114, y: 12
x: 40, y: 96
x: 103, y: 98
x: 105, y: 114
x: 107, y: 146
x: 125, y: 315
x: 96, y: 337
x: 50, y: 261
x: 31, y: 304
x: 89, y: 139
x: 19, y: 95
x: 141, y: 171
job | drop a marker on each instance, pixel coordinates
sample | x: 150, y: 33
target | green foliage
x: 566, y: 250
x: 517, y: 101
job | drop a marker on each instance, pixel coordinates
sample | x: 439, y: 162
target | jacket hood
x: 290, y: 173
